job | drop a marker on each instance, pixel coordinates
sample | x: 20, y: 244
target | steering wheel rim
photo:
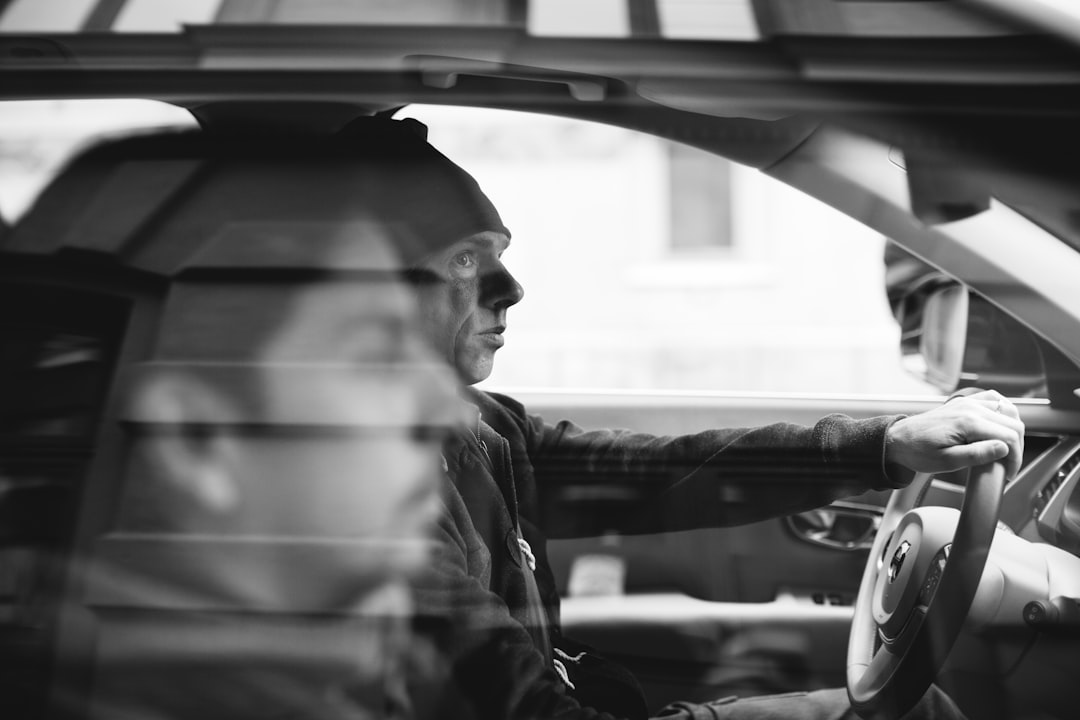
x: 914, y: 617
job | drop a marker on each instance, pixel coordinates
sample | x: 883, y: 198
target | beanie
x: 430, y: 200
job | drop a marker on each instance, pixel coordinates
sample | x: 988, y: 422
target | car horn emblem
x: 897, y: 562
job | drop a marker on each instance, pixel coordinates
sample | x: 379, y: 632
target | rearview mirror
x: 952, y: 339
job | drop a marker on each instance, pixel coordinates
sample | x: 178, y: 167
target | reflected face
x: 464, y: 314
x: 349, y: 379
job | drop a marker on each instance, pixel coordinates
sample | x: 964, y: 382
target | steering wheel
x: 918, y: 585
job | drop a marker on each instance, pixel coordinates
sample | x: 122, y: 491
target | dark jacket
x: 505, y: 475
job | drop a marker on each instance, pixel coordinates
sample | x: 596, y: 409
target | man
x: 282, y: 432
x: 493, y: 577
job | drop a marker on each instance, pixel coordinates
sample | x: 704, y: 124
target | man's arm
x: 735, y: 476
x: 719, y: 477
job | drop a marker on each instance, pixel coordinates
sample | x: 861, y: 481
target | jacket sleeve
x: 714, y: 478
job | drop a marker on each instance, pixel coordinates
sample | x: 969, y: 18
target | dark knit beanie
x: 417, y: 189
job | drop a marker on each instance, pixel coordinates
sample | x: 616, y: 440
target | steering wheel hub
x: 917, y: 541
x: 897, y: 562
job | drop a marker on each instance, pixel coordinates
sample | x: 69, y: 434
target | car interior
x: 944, y: 127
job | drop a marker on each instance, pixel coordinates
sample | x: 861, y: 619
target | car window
x: 232, y: 452
x: 648, y: 266
x: 651, y: 265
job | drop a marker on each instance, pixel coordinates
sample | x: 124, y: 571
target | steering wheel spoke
x: 933, y: 577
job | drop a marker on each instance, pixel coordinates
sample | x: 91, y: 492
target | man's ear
x: 189, y: 453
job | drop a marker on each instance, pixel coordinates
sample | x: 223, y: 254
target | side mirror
x: 952, y: 339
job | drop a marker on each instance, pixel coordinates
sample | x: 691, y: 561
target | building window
x: 700, y: 199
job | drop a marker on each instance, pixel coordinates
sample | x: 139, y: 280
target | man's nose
x: 499, y: 289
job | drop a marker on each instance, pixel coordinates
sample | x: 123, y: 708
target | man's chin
x: 476, y: 370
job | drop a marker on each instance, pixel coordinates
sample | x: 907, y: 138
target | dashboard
x: 1043, y: 503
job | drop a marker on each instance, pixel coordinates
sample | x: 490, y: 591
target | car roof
x: 667, y: 67
x: 740, y: 59
x: 748, y: 79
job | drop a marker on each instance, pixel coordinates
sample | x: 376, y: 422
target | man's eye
x: 464, y: 260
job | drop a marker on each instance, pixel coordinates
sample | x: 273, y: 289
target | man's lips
x: 493, y: 335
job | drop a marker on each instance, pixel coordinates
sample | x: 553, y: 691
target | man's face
x: 464, y: 314
x: 350, y: 380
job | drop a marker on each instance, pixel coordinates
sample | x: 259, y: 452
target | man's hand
x: 964, y: 432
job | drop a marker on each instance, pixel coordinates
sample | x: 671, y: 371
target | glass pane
x: 796, y: 302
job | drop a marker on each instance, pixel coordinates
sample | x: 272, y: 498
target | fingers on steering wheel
x: 1014, y: 424
x: 991, y: 427
x: 975, y: 453
x: 997, y: 403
